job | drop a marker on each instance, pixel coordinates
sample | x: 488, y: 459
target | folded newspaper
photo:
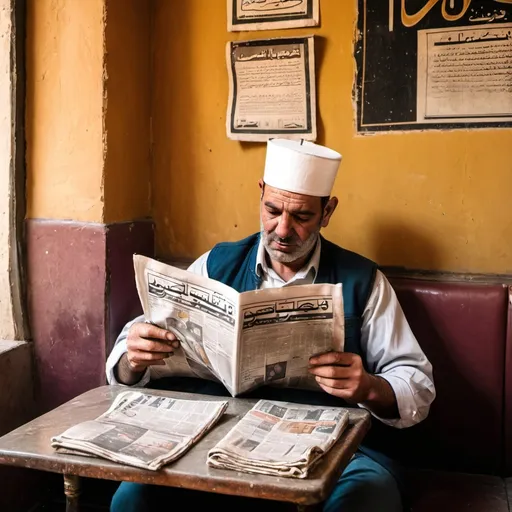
x: 280, y: 439
x: 244, y: 340
x: 142, y: 430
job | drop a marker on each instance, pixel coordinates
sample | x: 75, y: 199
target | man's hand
x: 147, y: 345
x: 342, y: 374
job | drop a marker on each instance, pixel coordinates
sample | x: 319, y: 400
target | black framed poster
x: 433, y: 64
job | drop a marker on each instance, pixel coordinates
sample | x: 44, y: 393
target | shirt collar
x: 311, y: 266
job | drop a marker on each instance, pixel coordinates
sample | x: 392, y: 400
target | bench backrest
x: 462, y: 327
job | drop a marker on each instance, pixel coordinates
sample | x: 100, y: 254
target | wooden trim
x: 17, y: 207
x: 458, y: 277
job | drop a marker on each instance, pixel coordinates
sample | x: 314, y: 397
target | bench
x: 463, y: 450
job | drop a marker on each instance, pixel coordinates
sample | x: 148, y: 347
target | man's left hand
x: 342, y: 374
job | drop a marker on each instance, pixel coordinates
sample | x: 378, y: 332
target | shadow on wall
x: 320, y: 46
x: 399, y: 245
x: 174, y: 111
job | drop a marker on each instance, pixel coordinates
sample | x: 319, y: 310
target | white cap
x: 301, y: 167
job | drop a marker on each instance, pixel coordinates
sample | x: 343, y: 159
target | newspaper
x: 271, y: 89
x: 142, y: 430
x: 280, y: 439
x: 243, y: 340
x: 272, y: 14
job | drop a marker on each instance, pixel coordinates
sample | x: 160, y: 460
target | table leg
x: 72, y: 492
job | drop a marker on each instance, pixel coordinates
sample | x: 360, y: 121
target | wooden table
x: 29, y: 446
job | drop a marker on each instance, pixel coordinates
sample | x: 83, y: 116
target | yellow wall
x: 64, y: 113
x: 436, y: 200
x: 127, y: 113
x: 88, y: 109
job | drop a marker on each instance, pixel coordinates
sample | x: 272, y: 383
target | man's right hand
x: 147, y: 345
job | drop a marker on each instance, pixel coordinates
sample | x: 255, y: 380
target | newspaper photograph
x: 465, y: 74
x: 272, y: 14
x: 271, y: 89
x: 143, y: 430
x: 280, y: 439
x: 243, y: 340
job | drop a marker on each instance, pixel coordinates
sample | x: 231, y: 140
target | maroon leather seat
x: 462, y: 327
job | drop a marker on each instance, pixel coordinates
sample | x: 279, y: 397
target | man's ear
x: 328, y: 211
x: 261, y: 184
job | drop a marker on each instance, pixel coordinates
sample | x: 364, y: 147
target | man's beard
x: 302, y: 248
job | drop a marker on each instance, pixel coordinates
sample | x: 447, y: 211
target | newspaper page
x: 142, y: 430
x: 243, y: 340
x: 272, y: 14
x: 271, y: 89
x: 280, y: 439
x: 202, y: 313
x: 282, y: 328
x: 465, y: 74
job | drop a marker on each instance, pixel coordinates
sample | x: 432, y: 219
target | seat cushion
x: 433, y: 491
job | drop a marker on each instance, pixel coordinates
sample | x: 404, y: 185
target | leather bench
x: 463, y: 450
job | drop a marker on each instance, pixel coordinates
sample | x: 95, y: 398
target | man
x: 382, y: 367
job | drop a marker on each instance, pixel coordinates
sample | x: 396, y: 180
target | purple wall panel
x: 123, y: 241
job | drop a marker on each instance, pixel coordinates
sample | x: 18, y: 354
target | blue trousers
x: 364, y: 486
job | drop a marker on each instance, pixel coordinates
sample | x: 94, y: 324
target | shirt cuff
x: 408, y: 409
x: 118, y: 351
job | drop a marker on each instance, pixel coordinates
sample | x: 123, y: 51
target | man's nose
x: 284, y: 226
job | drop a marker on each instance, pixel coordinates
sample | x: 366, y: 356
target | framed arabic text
x: 272, y: 14
x: 434, y: 64
x: 271, y: 89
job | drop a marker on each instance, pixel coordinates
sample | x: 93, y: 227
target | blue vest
x: 234, y: 264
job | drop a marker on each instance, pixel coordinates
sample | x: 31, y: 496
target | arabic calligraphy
x: 270, y: 5
x: 410, y: 20
x: 463, y: 39
x: 285, y: 311
x: 490, y: 17
x: 269, y: 54
x: 187, y: 294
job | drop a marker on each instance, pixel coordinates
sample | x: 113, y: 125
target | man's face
x: 290, y: 223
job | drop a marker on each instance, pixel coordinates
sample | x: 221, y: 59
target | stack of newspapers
x: 280, y: 438
x: 142, y: 429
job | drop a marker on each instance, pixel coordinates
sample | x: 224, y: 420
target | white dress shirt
x: 387, y: 343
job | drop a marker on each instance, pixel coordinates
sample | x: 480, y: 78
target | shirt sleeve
x: 199, y: 266
x: 393, y: 353
x: 120, y: 348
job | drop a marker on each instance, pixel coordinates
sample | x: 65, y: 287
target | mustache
x: 292, y: 239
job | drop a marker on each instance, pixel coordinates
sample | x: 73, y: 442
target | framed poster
x: 434, y: 64
x: 271, y: 89
x: 272, y: 14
